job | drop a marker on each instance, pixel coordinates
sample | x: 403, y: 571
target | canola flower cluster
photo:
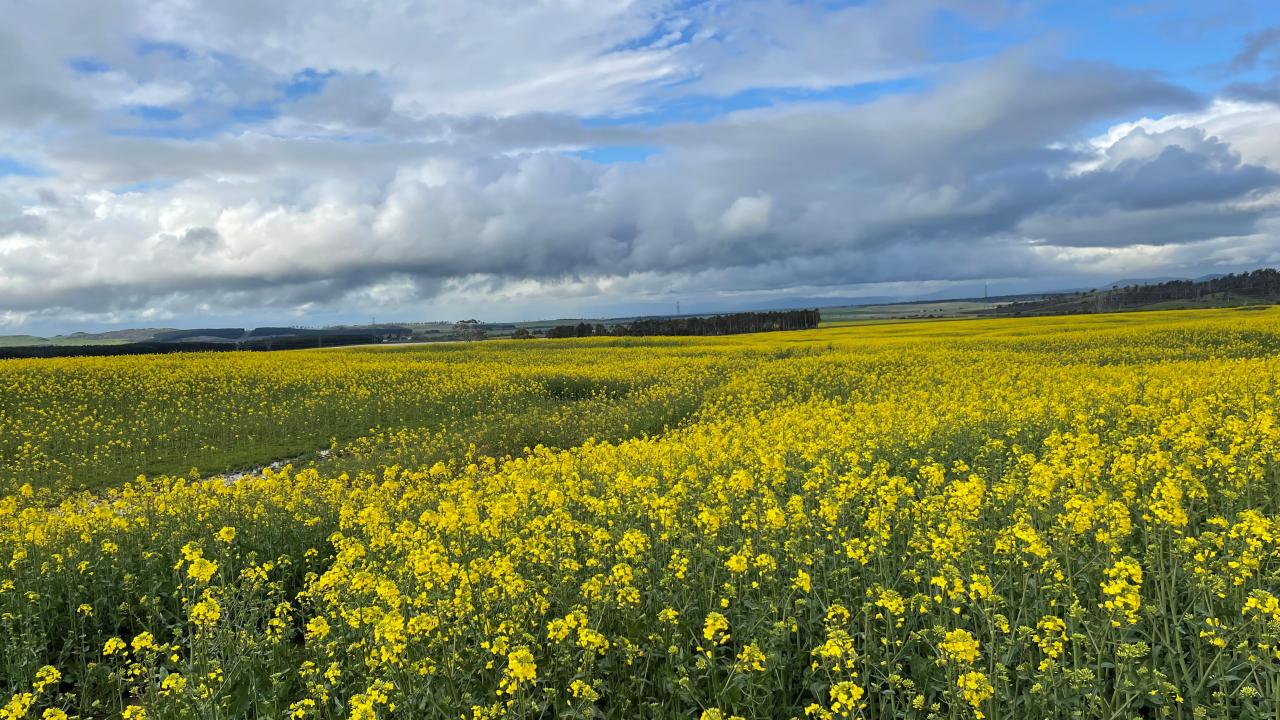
x: 1049, y: 518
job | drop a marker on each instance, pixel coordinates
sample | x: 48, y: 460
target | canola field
x: 1025, y: 518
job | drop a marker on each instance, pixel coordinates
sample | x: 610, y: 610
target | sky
x: 184, y: 163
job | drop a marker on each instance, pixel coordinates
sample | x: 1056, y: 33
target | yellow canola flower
x: 802, y: 581
x: 173, y: 684
x: 976, y: 689
x: 582, y: 690
x: 206, y: 613
x: 1121, y: 591
x: 1262, y: 604
x: 959, y: 646
x: 45, y: 676
x: 317, y: 628
x: 846, y: 697
x: 751, y: 658
x: 521, y: 670
x: 715, y: 628
x: 201, y: 570
x: 17, y: 707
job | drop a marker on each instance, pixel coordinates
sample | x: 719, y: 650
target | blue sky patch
x: 159, y: 47
x: 1189, y: 43
x: 705, y: 108
x: 143, y: 187
x: 610, y: 154
x: 261, y: 112
x: 171, y: 131
x: 88, y: 65
x: 155, y: 113
x: 656, y: 35
x: 307, y: 82
x: 10, y: 166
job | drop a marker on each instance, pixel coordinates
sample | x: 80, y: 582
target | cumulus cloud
x: 436, y: 159
x: 747, y: 216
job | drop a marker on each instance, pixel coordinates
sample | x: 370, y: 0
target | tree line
x: 1262, y: 284
x: 151, y: 347
x: 732, y: 324
x: 1233, y: 289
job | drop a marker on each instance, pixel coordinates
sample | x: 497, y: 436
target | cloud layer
x: 183, y: 161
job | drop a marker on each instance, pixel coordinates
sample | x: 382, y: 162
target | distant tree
x: 468, y: 330
x: 521, y: 334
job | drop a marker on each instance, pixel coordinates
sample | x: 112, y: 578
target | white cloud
x: 747, y: 216
x: 1251, y: 128
x: 431, y: 166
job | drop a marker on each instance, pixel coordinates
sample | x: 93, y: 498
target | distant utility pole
x: 677, y: 307
x: 984, y: 291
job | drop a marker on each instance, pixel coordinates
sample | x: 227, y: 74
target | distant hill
x: 201, y: 334
x: 21, y: 340
x: 162, y: 340
x: 79, y: 340
x: 128, y: 335
x: 1128, y: 282
x: 791, y: 303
